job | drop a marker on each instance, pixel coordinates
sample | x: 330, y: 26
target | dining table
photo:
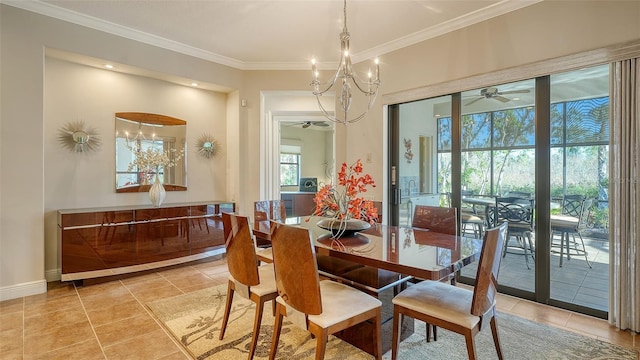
x: 412, y: 252
x: 406, y: 250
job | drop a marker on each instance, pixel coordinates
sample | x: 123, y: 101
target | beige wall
x: 83, y: 180
x: 25, y: 136
x: 542, y: 31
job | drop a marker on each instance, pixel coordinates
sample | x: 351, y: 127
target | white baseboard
x: 24, y: 289
x: 52, y: 275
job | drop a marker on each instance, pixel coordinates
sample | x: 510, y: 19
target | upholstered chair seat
x: 339, y: 303
x: 441, y: 300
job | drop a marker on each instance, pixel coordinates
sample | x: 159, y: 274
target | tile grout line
x: 89, y: 320
x: 146, y: 309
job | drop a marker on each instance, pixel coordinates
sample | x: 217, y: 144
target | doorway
x: 292, y: 111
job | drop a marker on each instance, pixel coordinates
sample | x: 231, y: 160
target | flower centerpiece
x: 148, y: 163
x: 345, y: 208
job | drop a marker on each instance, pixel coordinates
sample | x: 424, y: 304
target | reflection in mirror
x: 156, y: 137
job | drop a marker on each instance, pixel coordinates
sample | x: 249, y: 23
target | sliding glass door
x: 579, y: 177
x: 498, y: 163
x: 539, y: 144
x: 418, y: 169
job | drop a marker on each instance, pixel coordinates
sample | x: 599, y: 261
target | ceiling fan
x: 494, y: 93
x: 306, y: 124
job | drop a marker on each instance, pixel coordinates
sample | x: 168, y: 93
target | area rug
x: 194, y: 320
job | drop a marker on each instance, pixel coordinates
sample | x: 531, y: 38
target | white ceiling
x: 269, y: 35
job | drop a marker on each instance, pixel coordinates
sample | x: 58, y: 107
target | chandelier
x: 347, y: 77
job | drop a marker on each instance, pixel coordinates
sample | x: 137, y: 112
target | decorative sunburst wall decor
x: 75, y: 137
x: 207, y: 146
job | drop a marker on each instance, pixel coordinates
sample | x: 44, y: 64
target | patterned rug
x: 194, y: 320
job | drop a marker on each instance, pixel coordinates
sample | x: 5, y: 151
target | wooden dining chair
x: 267, y: 210
x: 457, y: 309
x: 253, y: 282
x: 321, y: 307
x: 442, y: 220
x: 434, y: 218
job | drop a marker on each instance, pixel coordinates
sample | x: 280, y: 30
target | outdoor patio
x: 574, y: 282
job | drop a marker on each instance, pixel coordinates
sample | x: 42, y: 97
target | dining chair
x: 434, y: 218
x: 267, y: 210
x: 438, y: 219
x: 321, y: 307
x: 457, y: 309
x: 576, y: 210
x: 253, y: 282
x: 518, y: 212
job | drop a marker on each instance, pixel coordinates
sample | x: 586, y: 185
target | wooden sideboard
x: 298, y: 203
x: 115, y: 240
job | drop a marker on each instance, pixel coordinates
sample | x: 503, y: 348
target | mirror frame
x: 154, y: 119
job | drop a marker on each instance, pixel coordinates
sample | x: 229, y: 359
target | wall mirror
x: 142, y: 138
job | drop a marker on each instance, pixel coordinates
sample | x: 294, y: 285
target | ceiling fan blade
x: 501, y: 98
x: 514, y: 92
x: 321, y: 124
x: 473, y: 101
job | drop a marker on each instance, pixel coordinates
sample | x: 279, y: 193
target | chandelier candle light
x: 345, y: 73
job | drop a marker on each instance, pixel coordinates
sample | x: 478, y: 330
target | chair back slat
x: 572, y: 205
x: 517, y: 211
x: 439, y: 219
x: 585, y: 213
x: 294, y: 261
x: 486, y: 287
x: 241, y: 252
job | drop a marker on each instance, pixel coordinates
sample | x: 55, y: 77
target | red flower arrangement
x: 346, y: 204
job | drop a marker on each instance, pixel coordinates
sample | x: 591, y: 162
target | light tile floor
x: 109, y: 320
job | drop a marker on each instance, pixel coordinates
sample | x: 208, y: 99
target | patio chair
x: 576, y: 210
x: 469, y: 217
x: 518, y: 212
x: 253, y: 282
x: 453, y: 308
x: 320, y: 307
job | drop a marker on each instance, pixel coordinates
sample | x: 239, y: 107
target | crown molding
x: 119, y: 30
x: 460, y: 22
x: 47, y: 9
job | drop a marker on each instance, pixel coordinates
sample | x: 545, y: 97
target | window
x: 289, y: 169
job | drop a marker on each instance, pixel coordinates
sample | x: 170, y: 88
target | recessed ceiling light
x: 109, y: 66
x: 194, y: 84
